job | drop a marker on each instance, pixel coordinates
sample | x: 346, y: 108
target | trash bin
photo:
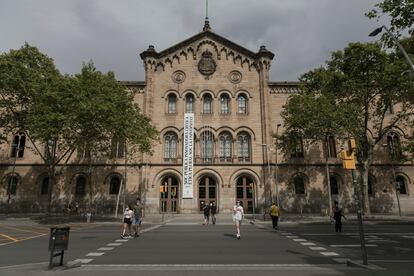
x: 58, y: 242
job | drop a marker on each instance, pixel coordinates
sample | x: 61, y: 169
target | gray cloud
x: 302, y: 33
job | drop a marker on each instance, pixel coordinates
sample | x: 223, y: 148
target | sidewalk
x: 30, y: 219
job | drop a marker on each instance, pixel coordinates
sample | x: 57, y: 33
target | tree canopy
x: 59, y: 113
x: 351, y: 97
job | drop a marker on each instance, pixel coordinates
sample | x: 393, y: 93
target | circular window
x: 235, y: 77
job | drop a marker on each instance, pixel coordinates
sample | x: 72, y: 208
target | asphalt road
x: 187, y: 248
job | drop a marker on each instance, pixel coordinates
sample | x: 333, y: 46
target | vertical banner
x: 188, y: 153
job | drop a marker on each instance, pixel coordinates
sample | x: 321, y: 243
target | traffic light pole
x: 349, y: 163
x: 360, y: 225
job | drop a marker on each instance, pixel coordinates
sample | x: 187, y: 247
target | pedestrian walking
x: 127, y: 221
x: 274, y: 214
x: 213, y: 211
x: 337, y: 216
x: 238, y: 214
x: 206, y: 211
x: 138, y: 216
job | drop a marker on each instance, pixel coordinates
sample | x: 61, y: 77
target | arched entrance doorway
x: 207, y: 191
x: 245, y: 189
x: 169, y: 192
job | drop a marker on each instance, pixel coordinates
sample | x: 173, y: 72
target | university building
x: 222, y: 92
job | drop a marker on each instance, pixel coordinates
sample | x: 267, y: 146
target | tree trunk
x: 52, y: 181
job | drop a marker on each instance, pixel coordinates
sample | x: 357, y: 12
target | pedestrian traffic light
x: 348, y: 156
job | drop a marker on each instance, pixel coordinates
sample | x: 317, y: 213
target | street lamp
x: 378, y: 30
x: 276, y: 180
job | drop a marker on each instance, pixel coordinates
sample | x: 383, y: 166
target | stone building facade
x: 236, y: 111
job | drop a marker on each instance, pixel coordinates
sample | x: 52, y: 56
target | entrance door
x: 207, y: 192
x: 245, y: 193
x: 169, y: 195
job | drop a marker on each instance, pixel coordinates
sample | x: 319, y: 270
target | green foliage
x: 104, y: 109
x: 401, y: 13
x: 350, y: 98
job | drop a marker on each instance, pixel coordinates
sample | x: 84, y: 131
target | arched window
x: 334, y: 185
x: 224, y: 104
x: 207, y: 145
x: 298, y: 149
x: 370, y: 183
x: 18, y: 145
x: 331, y: 147
x: 170, y: 146
x: 394, y: 146
x: 114, y: 184
x: 401, y: 184
x: 118, y: 148
x: 242, y: 104
x: 80, y: 188
x: 299, y: 183
x: 225, y: 141
x: 207, y: 104
x: 44, y: 189
x: 243, y: 146
x: 189, y: 103
x: 172, y: 103
x: 12, y: 182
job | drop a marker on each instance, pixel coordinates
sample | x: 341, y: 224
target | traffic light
x: 348, y: 156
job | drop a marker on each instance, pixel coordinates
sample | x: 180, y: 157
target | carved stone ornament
x: 235, y: 77
x: 207, y: 65
x: 178, y: 77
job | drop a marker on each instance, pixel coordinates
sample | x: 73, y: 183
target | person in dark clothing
x: 337, y: 216
x: 213, y: 211
x: 206, y: 211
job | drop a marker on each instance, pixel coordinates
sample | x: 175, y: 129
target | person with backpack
x: 138, y: 216
x: 213, y: 211
x: 337, y: 216
x: 206, y: 211
x: 274, y: 214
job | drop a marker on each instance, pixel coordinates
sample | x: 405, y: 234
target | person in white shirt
x: 238, y: 215
x: 128, y: 214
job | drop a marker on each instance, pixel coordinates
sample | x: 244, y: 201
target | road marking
x: 356, y: 234
x: 299, y: 240
x: 114, y: 244
x: 408, y: 237
x: 18, y: 229
x: 307, y: 243
x: 105, y: 248
x: 83, y: 261
x: 25, y: 239
x: 292, y: 237
x: 317, y: 248
x: 95, y: 254
x: 383, y: 241
x: 352, y: 245
x: 8, y: 237
x: 121, y: 240
x: 286, y: 233
x: 329, y: 253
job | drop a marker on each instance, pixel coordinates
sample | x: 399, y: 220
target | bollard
x: 88, y: 217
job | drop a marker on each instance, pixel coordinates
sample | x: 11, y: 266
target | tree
x: 60, y: 113
x: 350, y: 97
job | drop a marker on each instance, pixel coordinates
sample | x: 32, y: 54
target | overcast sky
x: 112, y: 33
